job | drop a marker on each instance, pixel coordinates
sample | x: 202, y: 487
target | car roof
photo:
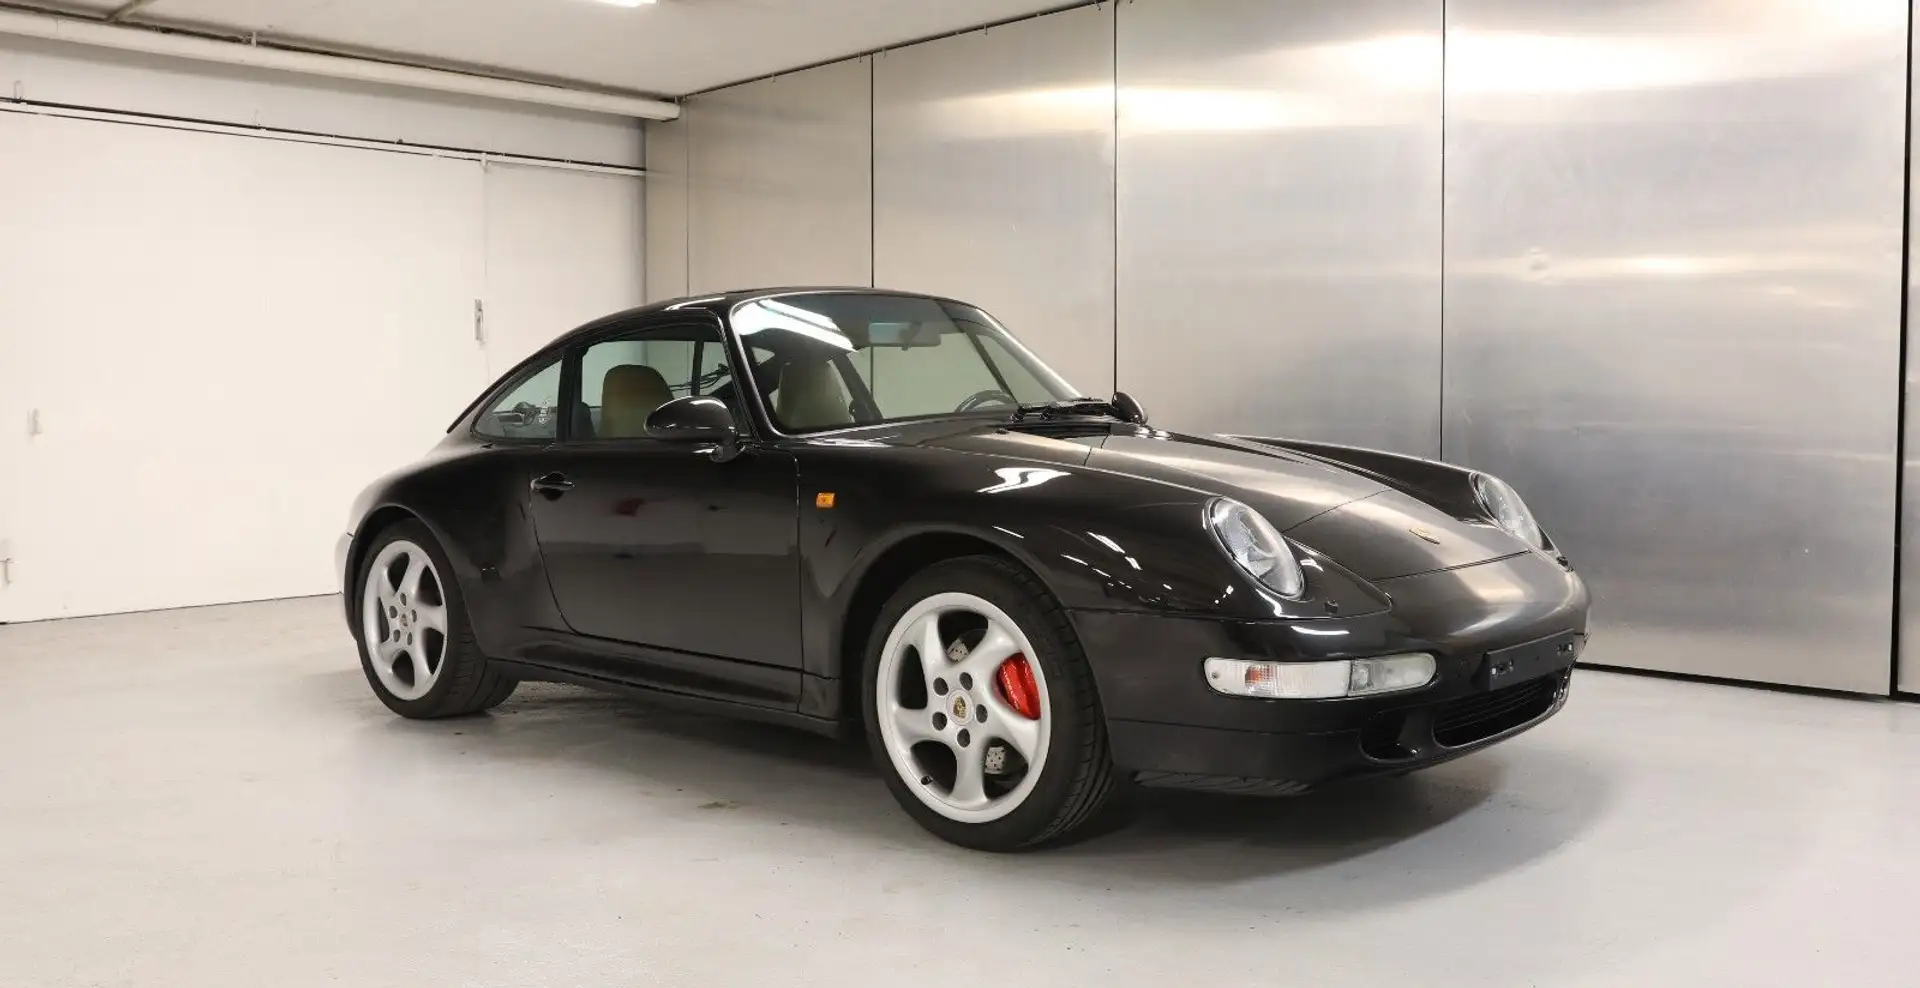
x: 719, y: 303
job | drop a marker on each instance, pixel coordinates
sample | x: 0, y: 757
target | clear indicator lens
x: 1320, y: 680
x: 1387, y: 675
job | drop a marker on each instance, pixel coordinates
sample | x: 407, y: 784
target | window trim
x: 576, y: 353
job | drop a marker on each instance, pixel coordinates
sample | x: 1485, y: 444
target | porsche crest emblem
x: 959, y: 707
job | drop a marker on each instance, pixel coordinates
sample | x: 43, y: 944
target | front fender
x: 1099, y: 540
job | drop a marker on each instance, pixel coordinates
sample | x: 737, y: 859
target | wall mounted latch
x: 6, y: 564
x: 33, y: 423
x: 480, y: 322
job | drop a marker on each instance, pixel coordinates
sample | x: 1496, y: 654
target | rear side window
x: 530, y: 410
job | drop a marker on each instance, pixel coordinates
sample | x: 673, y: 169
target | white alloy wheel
x: 403, y: 620
x: 963, y: 708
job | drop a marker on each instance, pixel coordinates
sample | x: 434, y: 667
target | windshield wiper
x: 1067, y: 407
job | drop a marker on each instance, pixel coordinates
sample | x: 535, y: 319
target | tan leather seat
x: 811, y: 396
x: 628, y: 394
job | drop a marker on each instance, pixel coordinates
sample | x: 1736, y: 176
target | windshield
x: 833, y: 360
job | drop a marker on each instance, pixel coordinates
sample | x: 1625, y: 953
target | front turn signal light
x: 1320, y: 680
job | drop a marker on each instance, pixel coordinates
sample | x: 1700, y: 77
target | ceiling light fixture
x: 629, y: 3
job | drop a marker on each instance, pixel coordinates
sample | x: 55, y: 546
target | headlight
x: 1508, y: 511
x: 1255, y: 546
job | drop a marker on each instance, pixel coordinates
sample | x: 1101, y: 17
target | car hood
x: 1367, y: 526
x: 1287, y: 487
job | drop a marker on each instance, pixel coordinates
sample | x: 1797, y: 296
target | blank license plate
x: 1536, y: 658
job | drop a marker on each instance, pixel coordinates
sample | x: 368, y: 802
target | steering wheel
x: 988, y: 396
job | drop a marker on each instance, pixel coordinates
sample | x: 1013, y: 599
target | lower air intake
x: 1483, y: 715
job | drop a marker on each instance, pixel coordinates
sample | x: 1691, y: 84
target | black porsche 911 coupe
x: 875, y: 513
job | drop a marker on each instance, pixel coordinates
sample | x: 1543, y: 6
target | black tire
x: 1077, y: 779
x: 468, y: 683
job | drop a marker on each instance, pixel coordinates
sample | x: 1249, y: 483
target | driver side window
x: 625, y: 379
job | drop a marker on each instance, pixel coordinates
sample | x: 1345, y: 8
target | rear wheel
x: 416, y: 646
x: 981, y: 709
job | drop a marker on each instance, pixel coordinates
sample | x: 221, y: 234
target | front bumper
x: 1168, y: 727
x: 342, y: 551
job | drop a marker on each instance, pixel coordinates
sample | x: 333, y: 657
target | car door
x: 657, y: 544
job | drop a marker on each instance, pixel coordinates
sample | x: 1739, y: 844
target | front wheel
x: 981, y: 708
x: 416, y: 646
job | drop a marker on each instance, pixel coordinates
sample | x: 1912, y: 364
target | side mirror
x: 1130, y: 408
x: 696, y: 419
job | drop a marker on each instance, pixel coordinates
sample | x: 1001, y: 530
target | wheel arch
x: 377, y: 520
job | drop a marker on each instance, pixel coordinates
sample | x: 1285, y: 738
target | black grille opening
x: 1380, y: 739
x: 1478, y: 717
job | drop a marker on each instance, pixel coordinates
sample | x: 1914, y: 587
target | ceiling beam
x: 191, y: 46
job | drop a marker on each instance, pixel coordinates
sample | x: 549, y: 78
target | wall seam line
x: 1114, y: 198
x: 1900, y: 379
x: 1440, y: 421
x: 873, y: 172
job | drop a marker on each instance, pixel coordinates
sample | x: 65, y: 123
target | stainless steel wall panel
x: 1279, y: 217
x: 1908, y: 680
x: 993, y: 180
x: 1672, y: 314
x: 781, y: 181
x: 666, y: 209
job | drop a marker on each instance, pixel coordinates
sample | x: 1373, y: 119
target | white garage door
x: 563, y: 247
x: 213, y: 342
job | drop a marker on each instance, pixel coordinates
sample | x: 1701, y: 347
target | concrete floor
x: 213, y: 797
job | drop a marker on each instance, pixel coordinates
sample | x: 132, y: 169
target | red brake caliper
x: 1017, y: 687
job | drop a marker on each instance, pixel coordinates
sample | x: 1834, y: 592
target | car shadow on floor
x: 1350, y: 846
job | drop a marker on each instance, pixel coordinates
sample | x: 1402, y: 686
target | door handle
x: 551, y: 485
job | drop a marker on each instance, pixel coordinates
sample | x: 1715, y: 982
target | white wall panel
x: 993, y: 180
x: 1279, y: 217
x: 50, y: 72
x: 782, y: 174
x: 1673, y: 314
x: 225, y: 338
x: 563, y: 248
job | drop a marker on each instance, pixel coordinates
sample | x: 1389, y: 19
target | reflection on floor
x: 212, y: 797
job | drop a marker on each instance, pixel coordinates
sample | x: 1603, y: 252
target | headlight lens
x: 1508, y: 511
x: 1255, y: 546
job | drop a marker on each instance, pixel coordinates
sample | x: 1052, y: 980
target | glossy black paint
x: 708, y: 566
x: 695, y: 419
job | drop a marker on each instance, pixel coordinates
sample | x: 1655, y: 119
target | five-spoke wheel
x: 415, y: 643
x: 403, y: 616
x: 965, y: 708
x: 981, y: 709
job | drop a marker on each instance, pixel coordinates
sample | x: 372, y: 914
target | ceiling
x: 668, y: 48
